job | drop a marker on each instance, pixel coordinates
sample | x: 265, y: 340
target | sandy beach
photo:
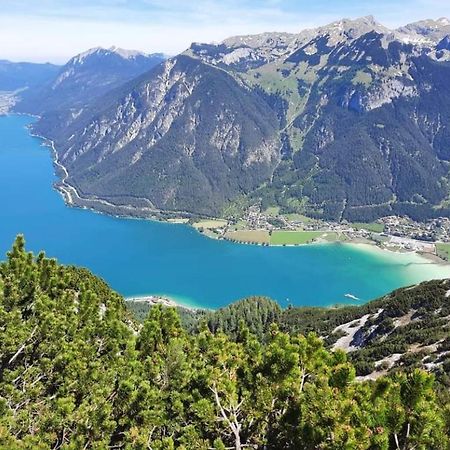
x: 161, y: 300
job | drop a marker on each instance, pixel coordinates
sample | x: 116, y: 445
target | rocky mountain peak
x: 101, y: 52
x: 366, y: 22
x: 251, y: 51
x: 258, y: 40
x: 351, y: 28
x: 126, y: 54
x: 426, y: 31
x: 86, y: 54
x: 444, y: 44
x: 88, y: 75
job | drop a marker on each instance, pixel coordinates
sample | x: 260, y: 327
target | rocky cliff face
x: 186, y: 137
x: 406, y: 329
x: 349, y: 120
x: 362, y: 116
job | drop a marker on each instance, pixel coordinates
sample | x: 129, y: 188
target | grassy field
x: 363, y: 78
x: 272, y: 211
x: 239, y: 225
x: 298, y: 218
x: 208, y: 224
x: 294, y: 237
x: 443, y: 251
x: 374, y: 227
x: 250, y: 236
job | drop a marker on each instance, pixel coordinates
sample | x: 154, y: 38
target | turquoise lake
x: 139, y: 257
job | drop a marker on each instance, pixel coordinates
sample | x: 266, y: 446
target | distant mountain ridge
x: 86, y: 76
x: 346, y: 121
x: 20, y: 75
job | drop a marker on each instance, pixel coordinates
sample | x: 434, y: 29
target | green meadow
x: 294, y: 237
x: 374, y: 227
x: 443, y: 250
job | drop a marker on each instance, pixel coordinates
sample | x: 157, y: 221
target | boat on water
x: 351, y: 296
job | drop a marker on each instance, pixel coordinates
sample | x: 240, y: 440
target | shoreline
x: 357, y: 242
x: 167, y: 301
x: 430, y: 258
x: 70, y: 194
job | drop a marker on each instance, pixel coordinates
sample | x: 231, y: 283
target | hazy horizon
x: 56, y: 30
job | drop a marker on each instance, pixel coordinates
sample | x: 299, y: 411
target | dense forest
x: 78, y: 372
x: 410, y: 325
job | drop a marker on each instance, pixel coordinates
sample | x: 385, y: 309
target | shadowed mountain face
x: 87, y: 76
x: 186, y: 136
x: 24, y: 75
x: 349, y: 120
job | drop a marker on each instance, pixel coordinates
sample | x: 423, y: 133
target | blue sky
x: 54, y: 30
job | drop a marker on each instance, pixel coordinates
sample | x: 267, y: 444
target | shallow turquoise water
x: 140, y: 257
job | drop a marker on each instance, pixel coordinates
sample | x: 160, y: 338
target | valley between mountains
x: 334, y: 135
x: 344, y: 122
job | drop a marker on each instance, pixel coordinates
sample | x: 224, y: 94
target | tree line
x: 77, y: 372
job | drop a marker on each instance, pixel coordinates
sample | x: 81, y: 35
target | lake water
x: 139, y: 257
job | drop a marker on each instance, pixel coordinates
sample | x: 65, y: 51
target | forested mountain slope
x: 409, y: 328
x: 346, y: 121
x: 185, y: 136
x: 363, y: 114
x: 76, y: 372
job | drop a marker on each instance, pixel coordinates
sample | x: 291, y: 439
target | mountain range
x: 346, y: 121
x: 85, y: 77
